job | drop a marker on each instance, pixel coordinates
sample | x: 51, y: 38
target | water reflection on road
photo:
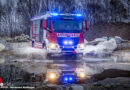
x: 20, y: 68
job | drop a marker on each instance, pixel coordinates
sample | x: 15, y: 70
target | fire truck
x: 58, y: 33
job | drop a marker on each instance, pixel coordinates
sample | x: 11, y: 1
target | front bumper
x: 66, y: 50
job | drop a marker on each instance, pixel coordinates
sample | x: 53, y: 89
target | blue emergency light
x: 78, y: 15
x: 68, y: 79
x: 68, y: 42
x: 54, y: 14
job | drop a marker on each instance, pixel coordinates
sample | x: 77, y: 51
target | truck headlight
x: 52, y: 76
x: 82, y: 75
x: 81, y: 46
x: 52, y: 46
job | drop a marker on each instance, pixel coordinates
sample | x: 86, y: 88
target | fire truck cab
x: 58, y: 33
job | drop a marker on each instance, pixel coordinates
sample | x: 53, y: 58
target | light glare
x: 79, y: 15
x: 70, y: 42
x: 54, y: 14
x: 70, y: 78
x: 52, y: 46
x: 52, y: 75
x: 82, y: 74
x: 65, y: 42
x: 66, y: 79
x: 81, y: 45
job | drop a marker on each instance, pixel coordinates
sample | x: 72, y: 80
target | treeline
x: 15, y: 14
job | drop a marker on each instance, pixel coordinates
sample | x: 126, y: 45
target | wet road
x: 21, y: 68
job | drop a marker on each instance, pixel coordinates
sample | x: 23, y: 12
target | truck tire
x: 33, y: 43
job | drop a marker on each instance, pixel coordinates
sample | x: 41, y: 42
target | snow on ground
x: 4, y: 45
x: 32, y: 64
x: 29, y: 50
x: 1, y: 47
x: 24, y: 49
x: 103, y: 47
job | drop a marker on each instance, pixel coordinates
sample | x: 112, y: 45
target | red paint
x: 52, y: 36
x: 38, y: 45
x: 32, y: 28
x: 86, y: 25
x: 74, y: 52
x: 1, y: 81
x: 81, y: 38
x: 39, y: 30
x: 45, y: 24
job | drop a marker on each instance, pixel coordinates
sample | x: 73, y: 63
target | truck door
x: 48, y: 29
x: 36, y: 30
x: 41, y: 31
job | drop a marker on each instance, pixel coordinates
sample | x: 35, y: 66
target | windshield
x: 67, y: 26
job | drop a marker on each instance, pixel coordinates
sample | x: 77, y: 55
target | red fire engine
x: 58, y: 33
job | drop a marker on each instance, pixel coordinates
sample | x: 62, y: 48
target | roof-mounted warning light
x: 78, y: 15
x: 54, y: 14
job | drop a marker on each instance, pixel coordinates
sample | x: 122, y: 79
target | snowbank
x: 1, y: 47
x: 24, y: 48
x: 4, y: 45
x: 21, y: 38
x: 29, y: 52
x: 101, y: 46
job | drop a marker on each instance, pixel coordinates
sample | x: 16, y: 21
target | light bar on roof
x: 79, y: 15
x: 54, y: 14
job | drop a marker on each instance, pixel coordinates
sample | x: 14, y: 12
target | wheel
x: 33, y: 43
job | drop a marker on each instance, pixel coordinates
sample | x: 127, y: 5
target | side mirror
x: 45, y: 24
x: 86, y: 25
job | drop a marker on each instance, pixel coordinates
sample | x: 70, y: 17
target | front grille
x: 68, y: 72
x: 67, y: 49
